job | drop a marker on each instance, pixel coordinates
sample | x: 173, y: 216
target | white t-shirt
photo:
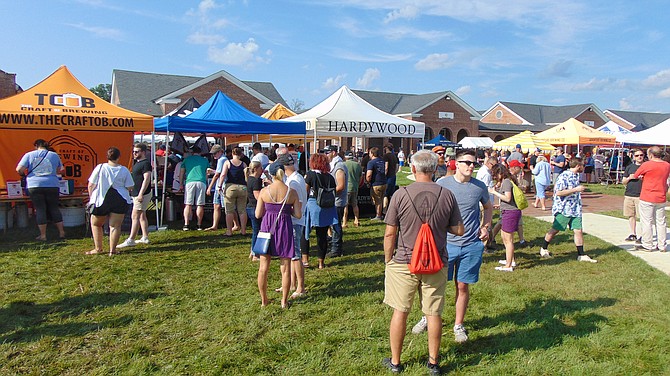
x: 262, y: 159
x: 401, y: 156
x: 297, y: 183
x: 105, y: 177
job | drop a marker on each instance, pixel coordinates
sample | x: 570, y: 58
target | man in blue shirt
x: 559, y: 163
x: 465, y: 252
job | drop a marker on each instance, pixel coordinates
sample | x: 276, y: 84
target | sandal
x: 297, y: 295
x: 95, y: 252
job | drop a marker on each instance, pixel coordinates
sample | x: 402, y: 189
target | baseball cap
x: 274, y: 167
x: 538, y: 150
x: 515, y: 163
x: 285, y: 160
x: 559, y: 148
x: 215, y: 149
x: 438, y: 149
x: 518, y: 146
x: 348, y: 155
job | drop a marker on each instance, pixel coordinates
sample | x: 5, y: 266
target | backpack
x: 519, y: 197
x: 325, y: 196
x: 425, y: 255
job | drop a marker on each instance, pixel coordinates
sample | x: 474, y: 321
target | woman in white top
x: 109, y: 190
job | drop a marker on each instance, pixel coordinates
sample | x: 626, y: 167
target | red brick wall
x: 204, y: 92
x: 507, y: 117
x: 7, y: 84
x: 460, y: 123
x: 591, y: 116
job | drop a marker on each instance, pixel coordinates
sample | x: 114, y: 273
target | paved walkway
x: 614, y: 230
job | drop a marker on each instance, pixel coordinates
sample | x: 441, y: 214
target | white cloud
x: 372, y: 58
x: 624, y: 104
x: 100, y: 32
x: 433, y: 62
x: 370, y: 75
x: 593, y: 84
x: 333, y: 83
x: 463, y: 90
x: 664, y: 93
x: 240, y: 54
x: 202, y: 38
x: 408, y: 12
x: 660, y: 78
x: 559, y: 68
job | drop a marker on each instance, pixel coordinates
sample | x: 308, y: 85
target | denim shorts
x: 465, y: 261
x: 218, y: 197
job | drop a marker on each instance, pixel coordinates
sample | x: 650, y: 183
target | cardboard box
x: 14, y: 189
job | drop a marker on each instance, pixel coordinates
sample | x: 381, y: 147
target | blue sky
x: 612, y: 53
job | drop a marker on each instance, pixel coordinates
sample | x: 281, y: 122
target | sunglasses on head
x: 468, y: 163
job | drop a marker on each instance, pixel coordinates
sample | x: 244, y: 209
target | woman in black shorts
x: 109, y: 190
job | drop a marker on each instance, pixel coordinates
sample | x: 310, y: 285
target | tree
x: 297, y: 105
x: 104, y: 91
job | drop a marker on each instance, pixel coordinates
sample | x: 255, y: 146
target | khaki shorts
x: 630, y: 206
x: 235, y: 198
x: 144, y: 205
x: 400, y: 286
x: 352, y: 198
x: 377, y: 193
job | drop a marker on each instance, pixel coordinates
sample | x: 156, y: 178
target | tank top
x: 236, y: 174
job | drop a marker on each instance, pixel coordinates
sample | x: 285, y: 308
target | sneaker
x: 433, y: 369
x: 420, y: 326
x: 504, y: 269
x: 631, y: 238
x: 523, y: 244
x: 586, y: 258
x: 491, y: 245
x: 128, y: 243
x: 332, y: 254
x: 185, y: 228
x: 143, y: 241
x: 460, y: 334
x: 395, y: 368
x: 504, y: 262
x: 544, y: 253
x: 377, y: 219
x: 638, y: 241
x: 640, y: 247
x: 200, y: 228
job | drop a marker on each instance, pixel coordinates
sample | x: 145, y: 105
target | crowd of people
x: 286, y: 198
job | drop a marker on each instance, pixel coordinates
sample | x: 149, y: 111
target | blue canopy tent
x: 439, y: 140
x: 222, y: 115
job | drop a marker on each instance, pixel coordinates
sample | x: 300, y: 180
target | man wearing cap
x: 355, y: 172
x: 296, y: 182
x: 559, y: 163
x: 339, y: 171
x: 194, y: 167
x: 516, y: 155
x: 217, y: 153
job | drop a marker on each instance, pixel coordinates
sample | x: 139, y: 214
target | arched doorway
x: 446, y: 133
x: 429, y: 134
x: 461, y: 134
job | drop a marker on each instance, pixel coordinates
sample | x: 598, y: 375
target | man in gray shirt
x: 465, y: 252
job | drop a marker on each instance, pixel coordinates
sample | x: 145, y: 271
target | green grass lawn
x: 188, y: 304
x: 619, y: 214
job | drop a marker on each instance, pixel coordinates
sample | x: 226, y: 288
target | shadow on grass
x: 27, y: 318
x: 541, y: 324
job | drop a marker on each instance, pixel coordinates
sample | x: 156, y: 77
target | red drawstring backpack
x: 425, y: 255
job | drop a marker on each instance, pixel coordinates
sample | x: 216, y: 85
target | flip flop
x: 95, y: 252
x: 280, y: 289
x: 297, y: 295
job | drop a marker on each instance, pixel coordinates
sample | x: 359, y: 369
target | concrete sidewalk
x: 614, y: 230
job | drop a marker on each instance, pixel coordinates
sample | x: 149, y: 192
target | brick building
x: 8, y: 86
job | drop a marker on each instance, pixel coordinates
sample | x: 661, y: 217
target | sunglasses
x: 468, y: 163
x: 136, y: 151
x: 639, y: 155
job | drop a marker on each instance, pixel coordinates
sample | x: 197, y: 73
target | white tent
x: 615, y: 130
x: 345, y: 114
x: 476, y: 142
x: 658, y: 135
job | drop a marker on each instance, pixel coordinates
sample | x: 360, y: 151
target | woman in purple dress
x: 269, y: 207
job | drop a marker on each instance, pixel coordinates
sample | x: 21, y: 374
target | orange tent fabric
x: 76, y: 123
x: 278, y: 112
x: 574, y: 132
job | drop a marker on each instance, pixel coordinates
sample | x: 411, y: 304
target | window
x: 590, y: 123
x: 445, y: 115
x: 499, y: 114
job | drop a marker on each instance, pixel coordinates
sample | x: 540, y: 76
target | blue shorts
x: 465, y: 261
x: 297, y: 236
x: 218, y: 198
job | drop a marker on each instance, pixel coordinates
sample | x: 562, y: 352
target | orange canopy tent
x: 79, y: 126
x: 574, y: 132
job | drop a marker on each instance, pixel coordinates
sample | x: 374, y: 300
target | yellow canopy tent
x: 574, y: 132
x: 74, y: 121
x: 277, y: 112
x: 528, y: 141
